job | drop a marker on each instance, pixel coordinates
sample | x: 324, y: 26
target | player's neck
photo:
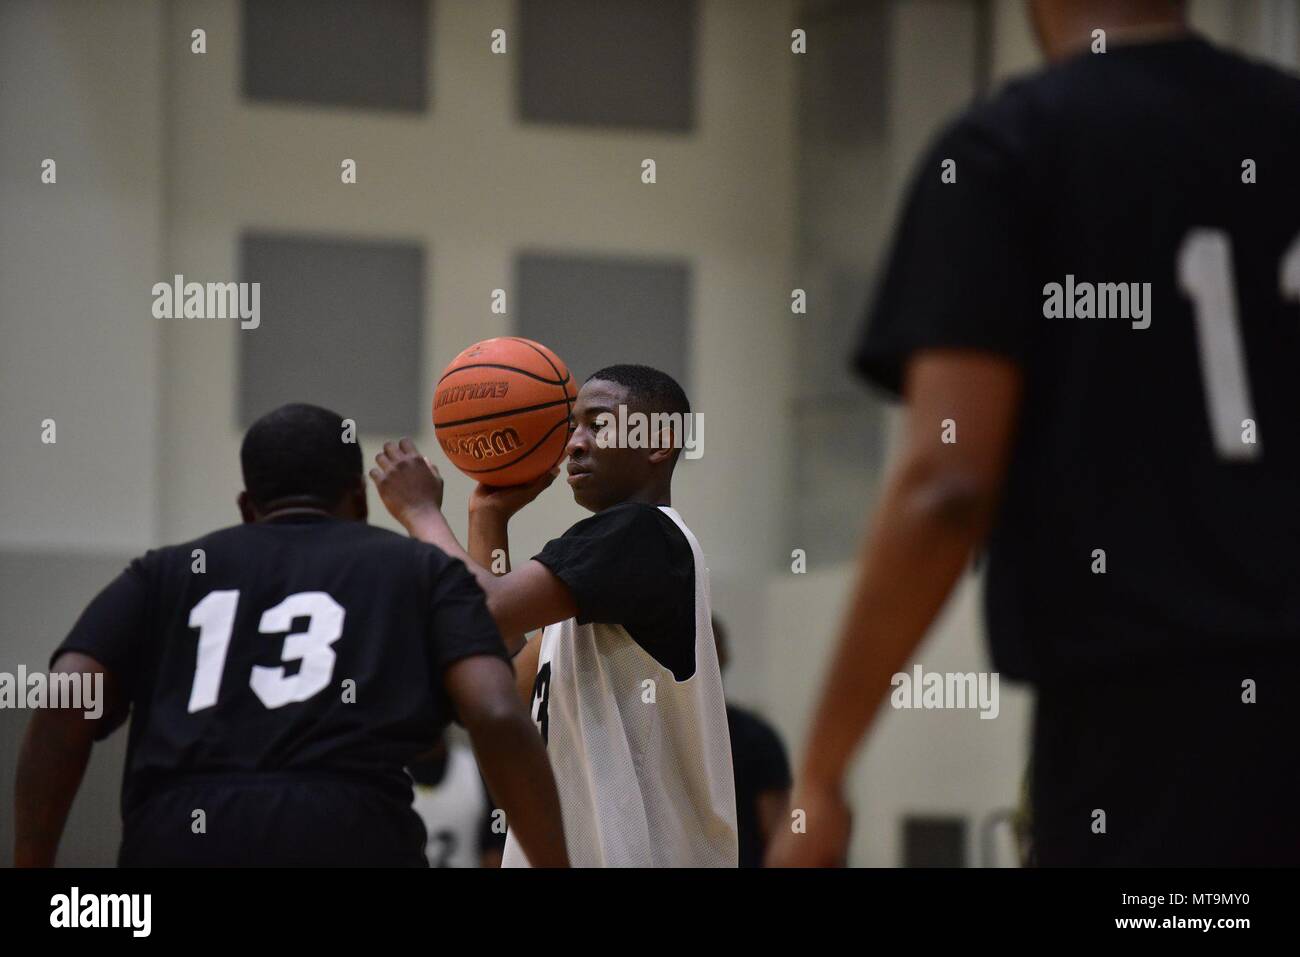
x: 1066, y: 39
x: 297, y: 511
x: 651, y: 496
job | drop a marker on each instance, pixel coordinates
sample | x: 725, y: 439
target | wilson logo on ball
x: 484, y: 445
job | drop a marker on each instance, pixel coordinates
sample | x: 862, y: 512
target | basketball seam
x: 497, y: 415
x: 498, y: 365
x: 567, y: 374
x: 565, y: 381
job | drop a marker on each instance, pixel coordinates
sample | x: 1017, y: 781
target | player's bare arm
x: 510, y: 754
x: 525, y: 599
x: 937, y: 507
x: 526, y: 669
x: 490, y: 510
x: 54, y: 755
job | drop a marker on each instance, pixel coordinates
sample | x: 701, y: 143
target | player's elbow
x: 952, y: 496
x: 495, y: 714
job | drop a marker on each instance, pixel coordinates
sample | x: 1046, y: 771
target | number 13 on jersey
x: 214, y: 616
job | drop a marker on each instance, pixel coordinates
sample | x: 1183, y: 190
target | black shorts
x: 1186, y: 773
x: 276, y: 819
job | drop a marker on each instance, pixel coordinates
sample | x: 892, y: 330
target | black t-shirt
x: 1123, y: 167
x: 304, y: 644
x: 630, y: 565
x: 759, y: 761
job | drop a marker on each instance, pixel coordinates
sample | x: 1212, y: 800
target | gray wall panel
x: 619, y: 63
x: 598, y: 311
x: 337, y: 52
x: 341, y: 326
x: 42, y: 594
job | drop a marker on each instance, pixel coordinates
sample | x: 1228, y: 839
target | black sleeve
x: 462, y: 626
x: 630, y: 565
x: 112, y: 628
x: 959, y: 274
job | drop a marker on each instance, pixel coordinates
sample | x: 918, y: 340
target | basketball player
x: 1129, y: 462
x: 280, y: 674
x: 624, y: 682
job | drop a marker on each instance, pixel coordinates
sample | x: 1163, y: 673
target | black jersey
x: 1126, y: 227
x: 305, y: 644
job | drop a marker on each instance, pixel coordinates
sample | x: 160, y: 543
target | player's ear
x: 665, y: 453
x: 246, y: 510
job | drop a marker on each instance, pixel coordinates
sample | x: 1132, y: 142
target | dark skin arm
x: 520, y: 601
x: 53, y: 760
x: 526, y: 671
x: 510, y: 754
x: 937, y: 508
x: 490, y: 510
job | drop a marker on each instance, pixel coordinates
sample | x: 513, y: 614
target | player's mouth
x: 576, y: 475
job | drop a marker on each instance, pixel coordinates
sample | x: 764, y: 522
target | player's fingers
x: 376, y: 475
x: 383, y: 461
x: 407, y: 446
x: 391, y: 450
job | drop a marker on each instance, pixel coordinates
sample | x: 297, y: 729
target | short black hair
x: 298, y: 452
x: 647, y: 388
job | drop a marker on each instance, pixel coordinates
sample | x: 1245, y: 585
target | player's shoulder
x: 355, y: 537
x: 1142, y: 83
x: 629, y: 520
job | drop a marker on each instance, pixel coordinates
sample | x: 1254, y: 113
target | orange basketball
x: 501, y: 410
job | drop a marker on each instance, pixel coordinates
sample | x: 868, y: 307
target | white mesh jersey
x: 642, y: 761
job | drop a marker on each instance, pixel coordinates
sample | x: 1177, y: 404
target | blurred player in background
x: 624, y: 682
x: 762, y: 771
x: 279, y: 674
x: 1126, y: 454
x: 457, y: 812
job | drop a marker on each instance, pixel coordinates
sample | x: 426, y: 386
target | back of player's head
x: 298, y: 453
x: 648, y: 390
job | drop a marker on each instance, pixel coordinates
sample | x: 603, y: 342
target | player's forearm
x: 489, y: 539
x: 513, y: 760
x: 431, y: 526
x: 53, y: 760
x: 489, y: 546
x: 926, y: 528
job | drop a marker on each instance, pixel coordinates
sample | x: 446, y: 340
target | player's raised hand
x: 819, y: 838
x: 408, y: 483
x: 505, y: 500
